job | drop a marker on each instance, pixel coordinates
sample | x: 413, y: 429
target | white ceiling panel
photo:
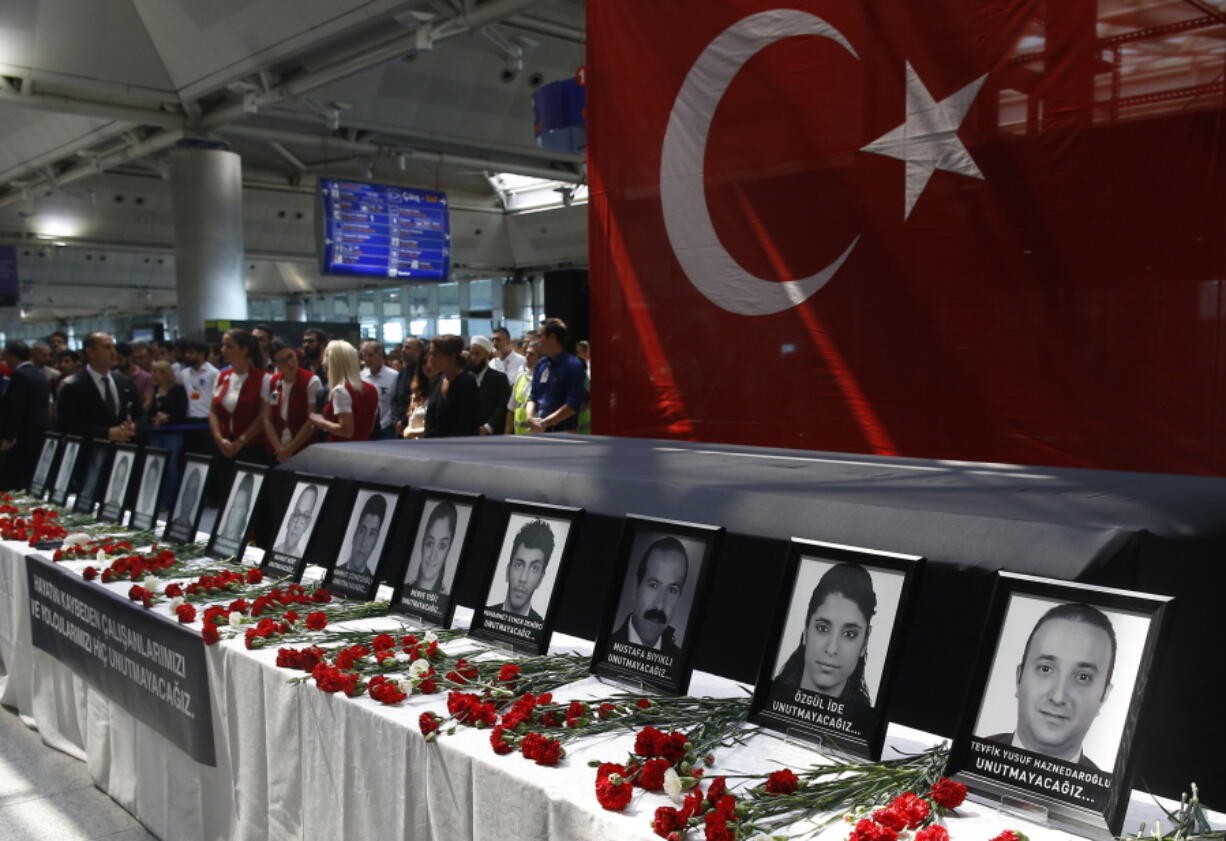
x: 90, y: 41
x: 31, y: 137
x: 206, y: 43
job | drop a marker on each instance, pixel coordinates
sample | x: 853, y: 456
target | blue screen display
x: 380, y: 230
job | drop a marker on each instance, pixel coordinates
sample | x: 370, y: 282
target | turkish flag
x: 972, y: 229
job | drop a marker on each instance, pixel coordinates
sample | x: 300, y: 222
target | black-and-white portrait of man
x: 1061, y: 681
x: 244, y: 491
x: 299, y: 520
x: 119, y: 479
x: 658, y: 592
x: 528, y: 566
x: 67, y: 462
x: 44, y: 462
x: 189, y: 496
x: 151, y: 484
x: 367, y: 531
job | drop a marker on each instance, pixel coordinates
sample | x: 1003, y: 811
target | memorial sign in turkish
x: 185, y: 514
x: 288, y: 554
x: 229, y: 538
x: 438, y: 556
x: 94, y: 478
x: 654, y: 610
x: 1058, y: 691
x: 827, y: 667
x: 366, y: 542
x: 147, y: 664
x: 68, y: 466
x: 119, y: 483
x: 153, y: 471
x: 521, y: 594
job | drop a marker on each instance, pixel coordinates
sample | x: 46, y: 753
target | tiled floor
x: 48, y: 796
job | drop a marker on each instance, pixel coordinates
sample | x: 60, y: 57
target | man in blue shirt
x: 558, y: 383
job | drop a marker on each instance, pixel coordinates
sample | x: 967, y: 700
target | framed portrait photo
x: 46, y: 460
x: 66, y: 470
x: 288, y: 554
x: 93, y: 478
x: 367, y: 540
x: 122, y: 478
x: 1058, y: 691
x: 830, y: 654
x: 521, y: 594
x: 437, y: 557
x: 153, y: 473
x: 229, y: 538
x: 184, y: 516
x: 655, y: 607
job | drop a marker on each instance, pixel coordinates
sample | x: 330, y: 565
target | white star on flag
x: 928, y: 139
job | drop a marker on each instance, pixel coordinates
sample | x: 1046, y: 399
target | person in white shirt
x: 199, y: 376
x: 506, y: 359
x: 376, y: 372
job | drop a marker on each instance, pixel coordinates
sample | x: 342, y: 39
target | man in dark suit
x: 494, y: 385
x: 98, y: 402
x: 661, y: 573
x: 411, y: 356
x: 25, y: 414
x: 530, y: 554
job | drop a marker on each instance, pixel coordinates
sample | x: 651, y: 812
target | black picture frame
x: 853, y: 724
x: 227, y: 541
x: 66, y: 470
x: 530, y: 633
x: 146, y: 520
x: 280, y: 560
x: 180, y: 528
x: 114, y: 502
x: 364, y: 585
x: 44, y: 469
x: 1073, y: 795
x: 427, y: 606
x: 668, y: 669
x: 93, y: 478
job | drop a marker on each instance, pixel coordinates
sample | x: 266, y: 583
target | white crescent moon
x: 703, y: 258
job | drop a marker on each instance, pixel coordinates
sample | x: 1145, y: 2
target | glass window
x: 391, y: 302
x: 340, y: 305
x: 421, y: 327
x: 276, y: 309
x: 481, y: 294
x: 369, y: 328
x: 480, y: 327
x: 366, y: 303
x: 449, y: 299
x: 393, y: 331
x: 449, y: 325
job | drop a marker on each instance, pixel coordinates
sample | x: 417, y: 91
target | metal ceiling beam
x: 91, y: 108
x: 329, y: 145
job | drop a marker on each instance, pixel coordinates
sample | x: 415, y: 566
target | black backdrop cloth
x: 1153, y: 532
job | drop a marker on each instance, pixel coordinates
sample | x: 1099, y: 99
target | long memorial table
x: 295, y: 763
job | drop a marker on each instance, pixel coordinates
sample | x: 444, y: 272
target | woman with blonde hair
x: 353, y: 405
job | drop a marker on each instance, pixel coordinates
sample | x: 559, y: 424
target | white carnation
x: 236, y: 619
x: 672, y: 785
x: 151, y: 584
x: 76, y: 539
x: 419, y: 668
x: 176, y: 603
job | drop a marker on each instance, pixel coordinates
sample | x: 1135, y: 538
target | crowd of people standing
x: 257, y: 398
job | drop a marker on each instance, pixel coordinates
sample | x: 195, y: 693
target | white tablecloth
x: 296, y: 763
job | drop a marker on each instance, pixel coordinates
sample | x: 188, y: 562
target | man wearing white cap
x: 495, y: 388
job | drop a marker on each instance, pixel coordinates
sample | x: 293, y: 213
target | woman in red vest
x: 236, y: 414
x: 289, y: 397
x: 353, y: 405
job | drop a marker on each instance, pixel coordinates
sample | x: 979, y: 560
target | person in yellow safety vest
x: 521, y: 392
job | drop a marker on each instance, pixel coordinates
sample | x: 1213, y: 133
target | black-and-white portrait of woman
x: 436, y: 550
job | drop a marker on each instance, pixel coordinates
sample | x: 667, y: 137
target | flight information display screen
x: 381, y: 230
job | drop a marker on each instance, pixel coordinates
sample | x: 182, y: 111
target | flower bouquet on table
x: 29, y: 523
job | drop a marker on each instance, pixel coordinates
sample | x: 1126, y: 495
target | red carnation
x: 255, y: 575
x: 607, y: 768
x: 605, y: 710
x: 716, y: 789
x: 913, y: 806
x: 782, y: 782
x: 90, y: 573
x: 508, y: 672
x: 867, y: 830
x: 715, y: 828
x: 429, y: 724
x: 549, y: 752
x: 643, y: 703
x: 667, y: 820
x: 651, y: 776
x: 382, y: 642
x: 647, y: 741
x: 1011, y: 835
x: 674, y: 746
x: 321, y: 596
x: 613, y: 796
x: 317, y: 620
x: 948, y: 793
x: 210, y: 633
x: 173, y: 591
x: 891, y: 818
x: 186, y: 613
x: 499, y: 743
x: 935, y: 832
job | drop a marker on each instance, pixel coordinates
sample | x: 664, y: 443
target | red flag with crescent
x: 974, y: 229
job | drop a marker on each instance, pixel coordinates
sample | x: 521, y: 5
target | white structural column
x: 206, y: 181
